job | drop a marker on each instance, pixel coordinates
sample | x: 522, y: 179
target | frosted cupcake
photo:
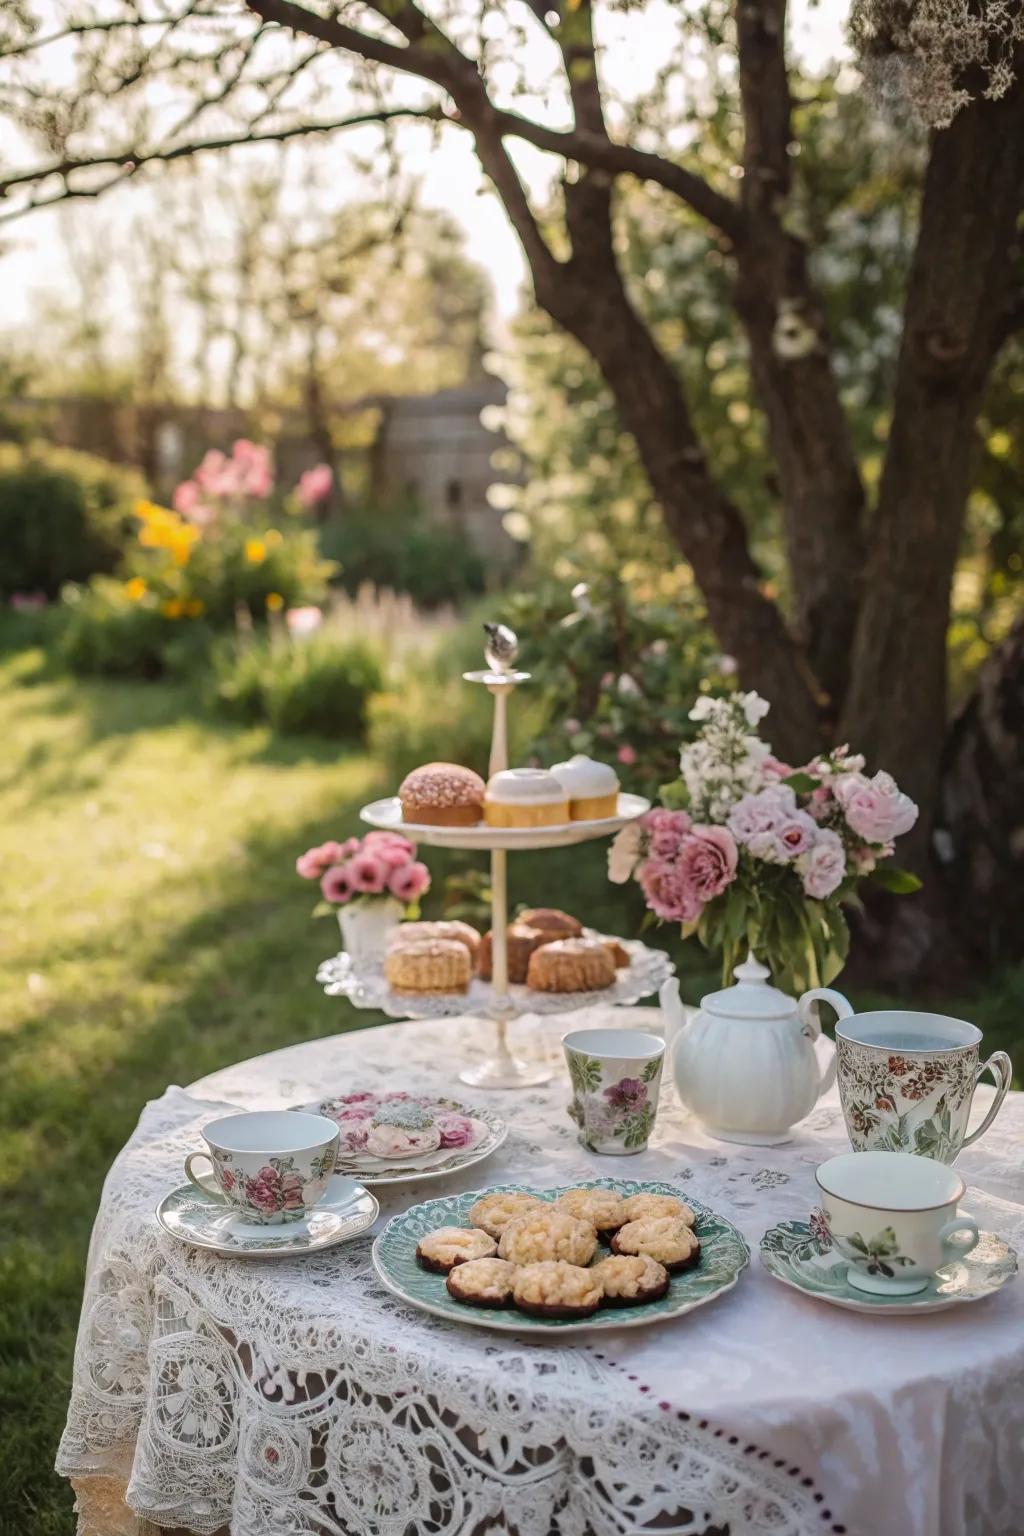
x: 592, y: 787
x: 525, y: 797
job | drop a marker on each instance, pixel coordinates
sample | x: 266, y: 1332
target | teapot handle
x: 812, y: 1028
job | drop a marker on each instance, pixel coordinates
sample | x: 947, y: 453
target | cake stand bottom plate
x: 506, y: 1072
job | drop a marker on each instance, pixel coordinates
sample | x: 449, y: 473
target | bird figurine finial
x: 502, y: 647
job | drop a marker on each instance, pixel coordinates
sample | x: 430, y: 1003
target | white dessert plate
x: 353, y: 1110
x: 346, y: 1210
x: 388, y: 814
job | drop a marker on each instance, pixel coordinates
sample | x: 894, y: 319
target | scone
x: 493, y: 1213
x: 547, y: 1234
x: 571, y: 965
x: 553, y: 1288
x: 442, y: 795
x: 629, y: 1279
x: 525, y: 797
x: 639, y: 1207
x: 520, y: 943
x: 440, y: 1251
x: 667, y: 1239
x: 620, y: 957
x: 603, y: 1208
x: 460, y: 933
x: 560, y: 925
x: 592, y: 787
x: 428, y: 965
x: 482, y: 1282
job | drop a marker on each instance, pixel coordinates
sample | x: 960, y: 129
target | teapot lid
x: 750, y: 997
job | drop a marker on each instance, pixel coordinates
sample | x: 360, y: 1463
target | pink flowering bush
x: 750, y: 852
x: 364, y: 868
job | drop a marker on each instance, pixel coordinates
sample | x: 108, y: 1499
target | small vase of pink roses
x: 372, y: 882
x: 750, y: 853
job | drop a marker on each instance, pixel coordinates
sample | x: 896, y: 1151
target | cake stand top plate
x: 387, y: 814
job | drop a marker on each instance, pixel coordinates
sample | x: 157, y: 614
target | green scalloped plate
x: 724, y: 1257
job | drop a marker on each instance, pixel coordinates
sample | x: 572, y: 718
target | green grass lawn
x: 152, y: 929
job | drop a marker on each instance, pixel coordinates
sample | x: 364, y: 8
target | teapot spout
x: 672, y: 1009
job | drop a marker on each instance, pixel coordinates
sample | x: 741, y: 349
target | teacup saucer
x: 794, y: 1254
x: 346, y: 1210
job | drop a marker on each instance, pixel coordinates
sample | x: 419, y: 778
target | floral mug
x: 616, y: 1078
x: 271, y: 1165
x: 907, y: 1080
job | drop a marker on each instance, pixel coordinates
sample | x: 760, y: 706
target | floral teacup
x: 893, y: 1216
x: 616, y: 1077
x: 271, y: 1165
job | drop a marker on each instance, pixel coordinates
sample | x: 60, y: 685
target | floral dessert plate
x: 387, y: 814
x: 724, y: 1257
x: 467, y: 1135
x: 346, y: 1210
x: 800, y: 1254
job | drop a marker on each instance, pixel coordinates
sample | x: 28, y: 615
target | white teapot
x: 747, y: 1065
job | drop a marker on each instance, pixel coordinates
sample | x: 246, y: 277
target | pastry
x: 547, y: 1234
x: 560, y: 925
x: 462, y: 933
x: 593, y: 788
x: 620, y: 958
x: 553, y: 1288
x: 667, y: 1239
x: 428, y: 965
x: 520, y: 943
x: 482, y: 1282
x: 603, y: 1208
x: 402, y: 1129
x: 571, y: 965
x: 440, y: 1251
x: 494, y: 1212
x: 525, y: 797
x: 640, y: 1207
x: 628, y: 1279
x: 442, y: 795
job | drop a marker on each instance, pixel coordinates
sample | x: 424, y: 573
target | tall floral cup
x: 271, y: 1166
x: 616, y: 1078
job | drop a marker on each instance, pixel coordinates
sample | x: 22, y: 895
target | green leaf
x: 323, y: 909
x: 801, y: 783
x: 891, y: 878
x: 674, y: 796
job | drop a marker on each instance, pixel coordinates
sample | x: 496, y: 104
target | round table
x: 299, y: 1398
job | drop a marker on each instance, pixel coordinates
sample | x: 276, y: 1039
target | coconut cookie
x: 482, y: 1282
x: 554, y: 1288
x: 640, y: 1207
x: 440, y: 1251
x: 494, y: 1212
x: 603, y: 1208
x: 629, y: 1279
x: 666, y: 1239
x: 548, y: 1234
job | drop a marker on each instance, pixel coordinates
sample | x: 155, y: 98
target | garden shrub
x: 116, y: 629
x: 63, y: 516
x: 320, y: 685
x: 403, y: 550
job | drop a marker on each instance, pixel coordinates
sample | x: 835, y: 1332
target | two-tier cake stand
x: 497, y: 1000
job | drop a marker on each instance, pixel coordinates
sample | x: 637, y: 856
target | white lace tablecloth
x: 298, y: 1398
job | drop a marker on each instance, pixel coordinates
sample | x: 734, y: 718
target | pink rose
x: 409, y: 882
x: 376, y: 840
x: 775, y: 768
x: 336, y: 885
x: 795, y: 835
x: 315, y: 485
x: 707, y: 862
x: 876, y: 809
x: 823, y: 867
x: 665, y: 831
x: 820, y: 802
x: 314, y: 861
x: 367, y: 874
x: 394, y: 856
x: 626, y: 755
x: 668, y: 895
x: 292, y: 1198
x: 456, y: 1130
x: 762, y: 812
x: 264, y: 1190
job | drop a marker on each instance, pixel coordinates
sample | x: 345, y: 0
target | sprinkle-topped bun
x: 628, y: 1279
x: 440, y: 1251
x: 667, y: 1239
x: 547, y: 1234
x: 525, y: 797
x: 460, y: 933
x: 592, y: 787
x: 560, y: 925
x: 428, y: 965
x: 553, y: 1288
x: 520, y: 943
x: 571, y: 965
x: 442, y: 795
x: 482, y: 1282
x: 639, y: 1207
x: 494, y: 1212
x: 603, y: 1208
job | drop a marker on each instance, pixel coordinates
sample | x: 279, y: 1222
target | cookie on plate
x: 548, y: 1234
x: 455, y: 932
x: 492, y: 1213
x: 640, y: 1207
x: 668, y: 1239
x: 482, y: 1282
x: 629, y: 1279
x: 428, y: 965
x: 440, y: 1251
x: 603, y: 1208
x: 553, y: 1288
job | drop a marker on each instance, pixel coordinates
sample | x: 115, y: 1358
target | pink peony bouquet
x: 363, y: 868
x: 747, y: 851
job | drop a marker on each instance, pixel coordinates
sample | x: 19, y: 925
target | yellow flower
x: 275, y: 602
x: 180, y: 543
x: 194, y: 607
x: 172, y: 608
x: 135, y: 589
x: 255, y: 551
